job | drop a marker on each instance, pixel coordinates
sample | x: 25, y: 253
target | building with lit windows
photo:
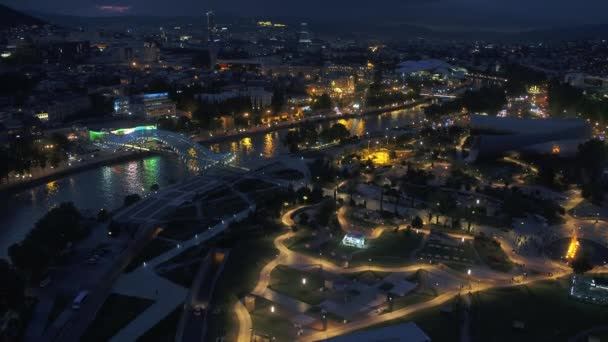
x: 354, y: 240
x: 158, y: 105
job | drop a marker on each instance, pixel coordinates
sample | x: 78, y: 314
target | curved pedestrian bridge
x: 196, y: 156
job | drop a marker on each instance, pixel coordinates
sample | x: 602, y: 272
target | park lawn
x: 367, y: 277
x: 241, y: 273
x: 389, y: 249
x: 361, y: 222
x: 165, y: 329
x: 332, y: 250
x: 448, y: 229
x: 115, y: 313
x: 440, y: 327
x: 151, y: 250
x: 461, y: 253
x: 298, y: 241
x: 275, y: 326
x: 492, y: 255
x: 183, y: 276
x: 61, y: 303
x: 546, y: 309
x: 415, y: 297
x: 288, y: 281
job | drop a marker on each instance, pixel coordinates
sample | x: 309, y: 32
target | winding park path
x: 482, y: 279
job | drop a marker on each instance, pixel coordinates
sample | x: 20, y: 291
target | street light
x: 303, y: 281
x: 272, y: 308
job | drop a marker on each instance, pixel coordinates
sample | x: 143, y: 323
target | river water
x: 106, y: 186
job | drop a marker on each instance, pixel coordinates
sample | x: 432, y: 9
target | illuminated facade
x: 158, y: 105
x: 354, y: 240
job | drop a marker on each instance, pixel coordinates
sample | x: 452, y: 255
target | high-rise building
x: 151, y: 52
x: 304, y: 36
x: 211, y: 29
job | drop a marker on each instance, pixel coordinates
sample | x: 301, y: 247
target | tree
x: 337, y: 132
x: 327, y: 209
x: 581, y: 264
x: 322, y: 102
x: 12, y: 287
x: 102, y: 215
x: 417, y: 222
x: 278, y: 100
x: 351, y: 187
x: 130, y: 199
x: 304, y: 218
x: 292, y: 141
x: 51, y: 234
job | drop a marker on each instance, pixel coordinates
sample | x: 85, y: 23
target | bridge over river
x: 196, y: 156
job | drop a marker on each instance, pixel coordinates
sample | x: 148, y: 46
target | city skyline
x: 472, y: 14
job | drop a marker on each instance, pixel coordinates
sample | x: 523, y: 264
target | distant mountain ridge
x: 395, y: 31
x: 12, y: 18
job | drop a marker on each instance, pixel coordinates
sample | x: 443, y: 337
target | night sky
x: 482, y: 13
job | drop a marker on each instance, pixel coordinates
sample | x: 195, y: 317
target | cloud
x: 116, y: 9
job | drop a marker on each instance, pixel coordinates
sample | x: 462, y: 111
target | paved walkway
x: 446, y: 281
x: 245, y: 325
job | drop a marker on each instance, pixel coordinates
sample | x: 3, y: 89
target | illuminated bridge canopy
x: 192, y: 153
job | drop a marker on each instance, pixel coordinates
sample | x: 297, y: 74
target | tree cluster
x: 60, y: 227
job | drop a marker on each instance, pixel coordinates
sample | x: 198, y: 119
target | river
x: 106, y: 186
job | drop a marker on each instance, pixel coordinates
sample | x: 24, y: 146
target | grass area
x: 165, y: 329
x: 61, y: 303
x: 595, y: 252
x: 440, y: 327
x: 151, y: 250
x: 274, y: 326
x: 115, y: 313
x: 183, y: 276
x: 412, y: 298
x: 331, y: 250
x: 390, y: 249
x: 361, y: 222
x: 241, y: 271
x: 492, y: 254
x: 454, y: 253
x: 448, y: 229
x: 367, y: 277
x: 546, y: 309
x: 288, y: 281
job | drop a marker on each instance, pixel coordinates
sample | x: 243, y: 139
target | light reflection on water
x: 106, y: 187
x: 91, y: 190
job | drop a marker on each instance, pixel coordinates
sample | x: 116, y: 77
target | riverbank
x: 8, y: 188
x: 113, y: 158
x: 234, y: 135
